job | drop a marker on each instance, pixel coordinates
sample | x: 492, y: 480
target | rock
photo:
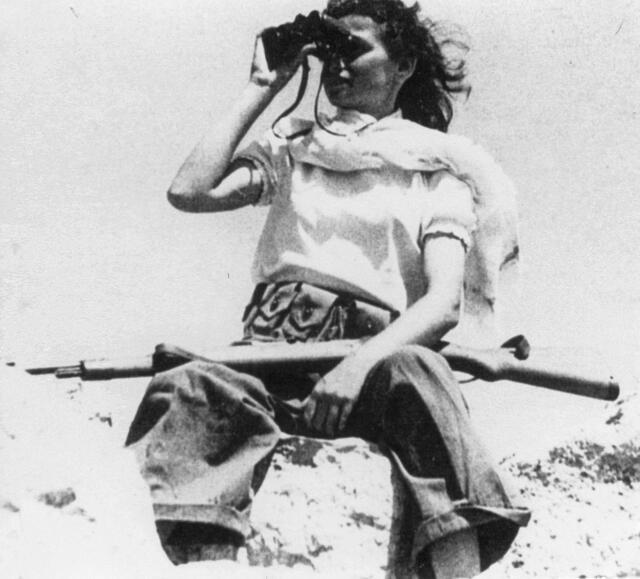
x: 579, y: 494
x: 315, y: 512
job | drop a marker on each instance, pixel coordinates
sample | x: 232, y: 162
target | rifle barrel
x: 553, y: 368
x: 604, y: 387
x: 570, y: 370
x: 312, y: 357
x: 111, y: 369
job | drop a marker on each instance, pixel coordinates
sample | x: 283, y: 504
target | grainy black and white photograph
x: 319, y: 288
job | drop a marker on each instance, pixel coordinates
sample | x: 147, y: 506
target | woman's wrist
x: 403, y: 332
x: 270, y: 87
x: 373, y: 350
x: 251, y: 102
x: 257, y: 93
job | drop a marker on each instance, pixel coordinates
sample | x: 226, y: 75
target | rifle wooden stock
x: 567, y: 370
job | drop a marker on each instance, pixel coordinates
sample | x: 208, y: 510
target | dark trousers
x: 204, y: 435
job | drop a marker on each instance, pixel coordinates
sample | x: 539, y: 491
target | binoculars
x: 332, y: 40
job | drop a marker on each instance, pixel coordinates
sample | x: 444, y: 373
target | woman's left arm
x: 424, y: 323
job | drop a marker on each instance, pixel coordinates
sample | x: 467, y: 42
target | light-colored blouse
x: 359, y: 231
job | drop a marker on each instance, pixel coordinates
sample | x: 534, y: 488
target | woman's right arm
x: 208, y: 180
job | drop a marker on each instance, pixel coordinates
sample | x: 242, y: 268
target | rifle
x: 564, y: 370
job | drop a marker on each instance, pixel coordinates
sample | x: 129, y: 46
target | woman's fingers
x: 310, y: 410
x: 327, y: 416
x: 315, y: 410
x: 320, y: 415
x: 333, y: 416
x: 347, y: 407
x: 262, y: 75
x: 323, y: 412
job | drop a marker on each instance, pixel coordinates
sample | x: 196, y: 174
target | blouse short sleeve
x: 450, y: 210
x: 270, y: 155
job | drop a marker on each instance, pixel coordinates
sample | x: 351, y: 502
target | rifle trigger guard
x: 519, y: 345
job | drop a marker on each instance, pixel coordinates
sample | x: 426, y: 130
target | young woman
x: 377, y: 220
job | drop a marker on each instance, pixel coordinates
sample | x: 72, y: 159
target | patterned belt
x: 300, y: 312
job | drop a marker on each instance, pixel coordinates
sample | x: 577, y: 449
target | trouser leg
x: 412, y: 406
x: 203, y: 436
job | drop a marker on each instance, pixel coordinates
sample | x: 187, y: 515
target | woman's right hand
x: 278, y: 78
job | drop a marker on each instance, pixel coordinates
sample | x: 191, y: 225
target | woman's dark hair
x: 426, y: 97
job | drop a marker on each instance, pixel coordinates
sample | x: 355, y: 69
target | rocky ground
x: 72, y: 504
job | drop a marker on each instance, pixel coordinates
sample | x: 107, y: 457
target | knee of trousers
x: 198, y: 385
x: 411, y: 357
x: 209, y: 376
x: 417, y: 368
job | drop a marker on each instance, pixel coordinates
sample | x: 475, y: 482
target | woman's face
x: 371, y: 82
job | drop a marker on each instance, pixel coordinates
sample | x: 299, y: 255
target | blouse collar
x: 351, y: 120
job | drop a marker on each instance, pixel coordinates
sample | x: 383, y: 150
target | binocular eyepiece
x: 332, y: 40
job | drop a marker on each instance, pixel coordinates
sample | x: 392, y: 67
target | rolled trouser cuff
x: 439, y: 516
x: 223, y: 516
x: 486, y: 520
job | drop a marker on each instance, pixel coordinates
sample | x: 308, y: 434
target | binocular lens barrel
x: 282, y: 43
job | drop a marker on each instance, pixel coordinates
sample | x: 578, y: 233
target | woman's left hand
x: 333, y: 398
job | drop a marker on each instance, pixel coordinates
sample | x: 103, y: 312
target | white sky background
x: 101, y: 101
